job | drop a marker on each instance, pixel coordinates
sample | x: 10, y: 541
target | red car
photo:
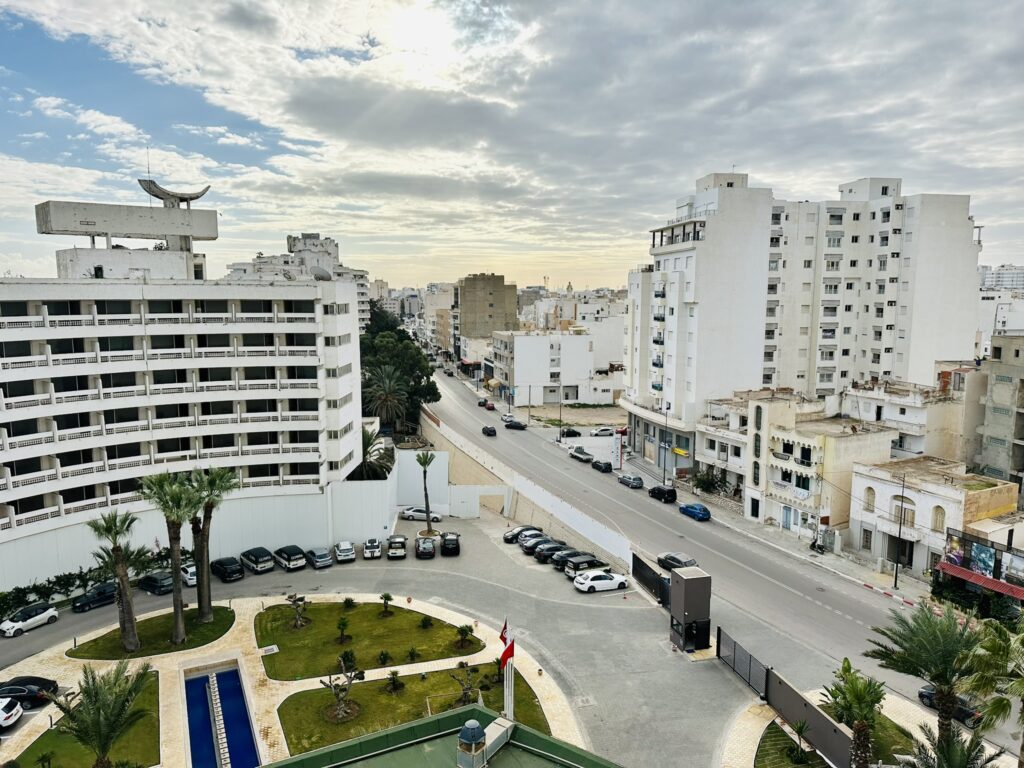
x: 622, y: 431
x: 489, y: 406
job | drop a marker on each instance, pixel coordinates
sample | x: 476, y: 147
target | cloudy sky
x: 531, y: 137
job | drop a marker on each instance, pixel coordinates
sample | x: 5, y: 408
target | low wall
x: 833, y: 740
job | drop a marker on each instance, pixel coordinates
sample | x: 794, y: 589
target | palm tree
x: 179, y: 502
x: 934, y: 648
x: 377, y: 460
x: 212, y: 486
x: 425, y: 459
x: 387, y: 394
x: 104, y: 708
x: 998, y: 664
x: 855, y: 701
x: 119, y: 558
x: 955, y: 751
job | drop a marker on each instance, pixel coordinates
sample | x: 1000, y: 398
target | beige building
x: 486, y: 303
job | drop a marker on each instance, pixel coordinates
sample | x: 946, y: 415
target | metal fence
x: 739, y: 659
x: 652, y: 580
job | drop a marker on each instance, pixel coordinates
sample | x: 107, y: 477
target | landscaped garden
x: 777, y: 749
x: 155, y: 634
x: 405, y: 637
x: 308, y: 724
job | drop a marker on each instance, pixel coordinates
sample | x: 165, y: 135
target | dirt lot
x: 611, y: 415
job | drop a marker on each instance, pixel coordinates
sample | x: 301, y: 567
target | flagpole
x: 510, y: 677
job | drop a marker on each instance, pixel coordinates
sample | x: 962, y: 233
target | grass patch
x: 978, y: 485
x: 305, y: 727
x: 773, y: 751
x: 313, y: 650
x: 154, y: 634
x: 140, y: 744
x: 888, y: 738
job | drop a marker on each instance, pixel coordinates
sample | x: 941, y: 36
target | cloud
x: 93, y: 120
x: 34, y: 135
x: 221, y: 135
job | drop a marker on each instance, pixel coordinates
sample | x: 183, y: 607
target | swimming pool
x: 237, y: 725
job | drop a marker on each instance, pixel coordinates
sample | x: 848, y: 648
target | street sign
x: 681, y: 452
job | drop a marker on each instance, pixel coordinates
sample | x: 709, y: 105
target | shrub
x: 384, y: 658
x: 412, y: 654
x: 426, y: 622
x: 348, y: 603
x: 393, y: 684
x: 348, y: 658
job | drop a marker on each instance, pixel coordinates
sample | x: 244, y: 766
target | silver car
x: 631, y: 481
x: 419, y: 513
x: 319, y: 557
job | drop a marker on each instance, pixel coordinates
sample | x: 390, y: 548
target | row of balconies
x: 95, y: 358
x: 177, y: 319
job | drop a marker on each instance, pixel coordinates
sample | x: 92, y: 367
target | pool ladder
x: 220, y: 738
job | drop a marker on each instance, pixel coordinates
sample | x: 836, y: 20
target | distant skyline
x: 435, y: 139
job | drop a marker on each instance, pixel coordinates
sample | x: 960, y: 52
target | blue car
x: 696, y: 511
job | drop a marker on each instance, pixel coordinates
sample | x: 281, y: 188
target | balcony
x: 659, y: 293
x: 803, y: 462
x: 658, y: 340
x: 780, y: 456
x: 657, y: 386
x: 659, y: 363
x: 659, y: 318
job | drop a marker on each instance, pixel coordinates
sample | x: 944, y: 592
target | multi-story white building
x: 1000, y: 313
x: 873, y: 286
x: 435, y: 298
x: 1006, y: 277
x: 559, y: 313
x: 145, y: 367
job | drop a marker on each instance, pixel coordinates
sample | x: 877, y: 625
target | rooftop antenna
x: 149, y: 173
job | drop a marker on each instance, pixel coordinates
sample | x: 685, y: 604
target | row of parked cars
x: 587, y: 572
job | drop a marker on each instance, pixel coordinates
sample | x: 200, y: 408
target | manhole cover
x: 821, y: 589
x: 268, y: 650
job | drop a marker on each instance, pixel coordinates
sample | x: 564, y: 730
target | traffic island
x: 154, y: 636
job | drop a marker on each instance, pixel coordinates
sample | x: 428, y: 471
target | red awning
x: 982, y: 581
x: 470, y: 362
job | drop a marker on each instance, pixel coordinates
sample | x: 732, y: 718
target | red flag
x: 508, y: 653
x: 504, y: 633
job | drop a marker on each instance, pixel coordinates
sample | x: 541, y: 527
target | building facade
x: 1005, y: 277
x: 1001, y: 449
x: 481, y: 305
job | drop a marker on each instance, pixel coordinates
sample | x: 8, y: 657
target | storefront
x: 981, y: 568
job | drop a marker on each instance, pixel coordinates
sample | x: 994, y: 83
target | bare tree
x: 464, y: 674
x: 341, y: 690
x: 299, y: 605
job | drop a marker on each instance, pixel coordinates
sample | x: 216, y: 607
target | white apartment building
x: 1000, y: 313
x: 434, y: 298
x: 1005, y: 277
x: 720, y: 441
x: 559, y: 313
x: 146, y: 367
x: 854, y: 289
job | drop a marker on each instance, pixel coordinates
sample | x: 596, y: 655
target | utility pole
x: 665, y: 444
x: 899, y: 535
x: 559, y: 438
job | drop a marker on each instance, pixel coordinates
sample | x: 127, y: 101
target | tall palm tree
x: 179, y: 502
x: 425, y: 459
x: 955, y: 751
x: 855, y: 700
x: 998, y: 664
x: 377, y: 460
x: 387, y: 394
x: 104, y: 708
x: 119, y: 559
x: 212, y: 486
x: 934, y: 648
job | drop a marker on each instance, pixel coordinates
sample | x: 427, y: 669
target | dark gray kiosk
x: 690, y: 609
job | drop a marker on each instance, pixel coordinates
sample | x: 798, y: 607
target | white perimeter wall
x: 410, y: 480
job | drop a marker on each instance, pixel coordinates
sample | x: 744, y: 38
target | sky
x: 530, y: 138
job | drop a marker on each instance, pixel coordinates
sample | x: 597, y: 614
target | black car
x: 227, y: 569
x: 158, y: 583
x: 542, y: 552
x: 529, y: 547
x: 601, y: 466
x: 514, y: 425
x: 30, y: 692
x: 512, y: 536
x: 559, y: 559
x: 967, y: 711
x: 425, y: 548
x: 450, y: 546
x: 449, y: 373
x: 482, y: 402
x: 675, y: 560
x: 663, y: 494
x: 569, y: 432
x: 489, y: 431
x: 95, y: 596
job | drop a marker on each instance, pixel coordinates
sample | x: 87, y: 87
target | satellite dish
x: 319, y: 273
x: 287, y: 275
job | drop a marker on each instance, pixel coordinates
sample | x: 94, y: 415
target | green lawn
x: 154, y: 634
x: 141, y: 744
x: 313, y: 650
x: 888, y: 738
x: 305, y: 727
x: 771, y: 752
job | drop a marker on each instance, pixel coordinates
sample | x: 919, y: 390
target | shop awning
x: 470, y: 362
x: 1017, y: 593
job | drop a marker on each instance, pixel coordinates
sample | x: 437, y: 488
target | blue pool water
x: 241, y: 745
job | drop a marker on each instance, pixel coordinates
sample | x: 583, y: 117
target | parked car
x: 602, y: 432
x: 696, y: 511
x: 530, y: 546
x: 489, y: 431
x: 188, y: 575
x: 512, y: 536
x: 227, y: 569
x: 489, y: 406
x: 544, y: 552
x: 967, y: 710
x: 258, y: 560
x: 527, y: 535
x: 29, y: 617
x: 580, y: 453
x: 396, y: 547
x: 450, y: 544
x: 449, y: 374
x: 569, y: 432
x: 419, y: 513
x: 507, y: 417
x: 344, y: 552
x: 514, y: 424
x: 10, y: 712
x: 662, y: 493
x: 622, y: 430
x: 29, y: 691
x: 290, y: 557
x: 482, y: 402
x: 371, y: 549
x: 319, y: 557
x: 675, y: 560
x: 631, y: 481
x: 601, y: 466
x: 559, y: 559
x: 574, y: 566
x: 425, y: 548
x: 599, y: 581
x: 159, y: 583
x: 97, y: 595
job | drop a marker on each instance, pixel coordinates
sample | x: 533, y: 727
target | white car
x: 188, y: 575
x: 419, y: 513
x: 10, y: 712
x: 344, y: 552
x: 507, y: 417
x: 602, y: 432
x: 371, y: 549
x: 29, y: 617
x: 599, y: 581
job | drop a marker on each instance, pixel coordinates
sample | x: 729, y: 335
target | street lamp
x: 899, y: 534
x: 664, y: 463
x: 559, y: 438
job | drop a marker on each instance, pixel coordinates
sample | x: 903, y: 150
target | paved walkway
x: 265, y: 695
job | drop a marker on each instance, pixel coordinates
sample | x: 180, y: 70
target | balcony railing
x: 658, y: 363
x: 659, y: 294
x: 657, y: 387
x: 803, y: 462
x: 659, y: 318
x: 658, y: 340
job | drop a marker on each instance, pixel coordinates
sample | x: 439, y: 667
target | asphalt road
x: 793, y: 616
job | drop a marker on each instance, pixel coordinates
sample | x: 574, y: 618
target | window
x: 854, y: 238
x: 756, y: 473
x: 835, y: 219
x: 831, y: 289
x: 835, y: 241
x: 849, y: 286
x: 773, y: 265
x: 808, y: 263
x: 846, y: 330
x: 938, y: 518
x: 885, y: 191
x: 846, y: 353
x: 757, y: 418
x: 856, y: 217
x: 853, y: 262
x: 848, y: 308
x: 832, y: 265
x: 865, y: 538
x: 902, y: 507
x: 803, y: 481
